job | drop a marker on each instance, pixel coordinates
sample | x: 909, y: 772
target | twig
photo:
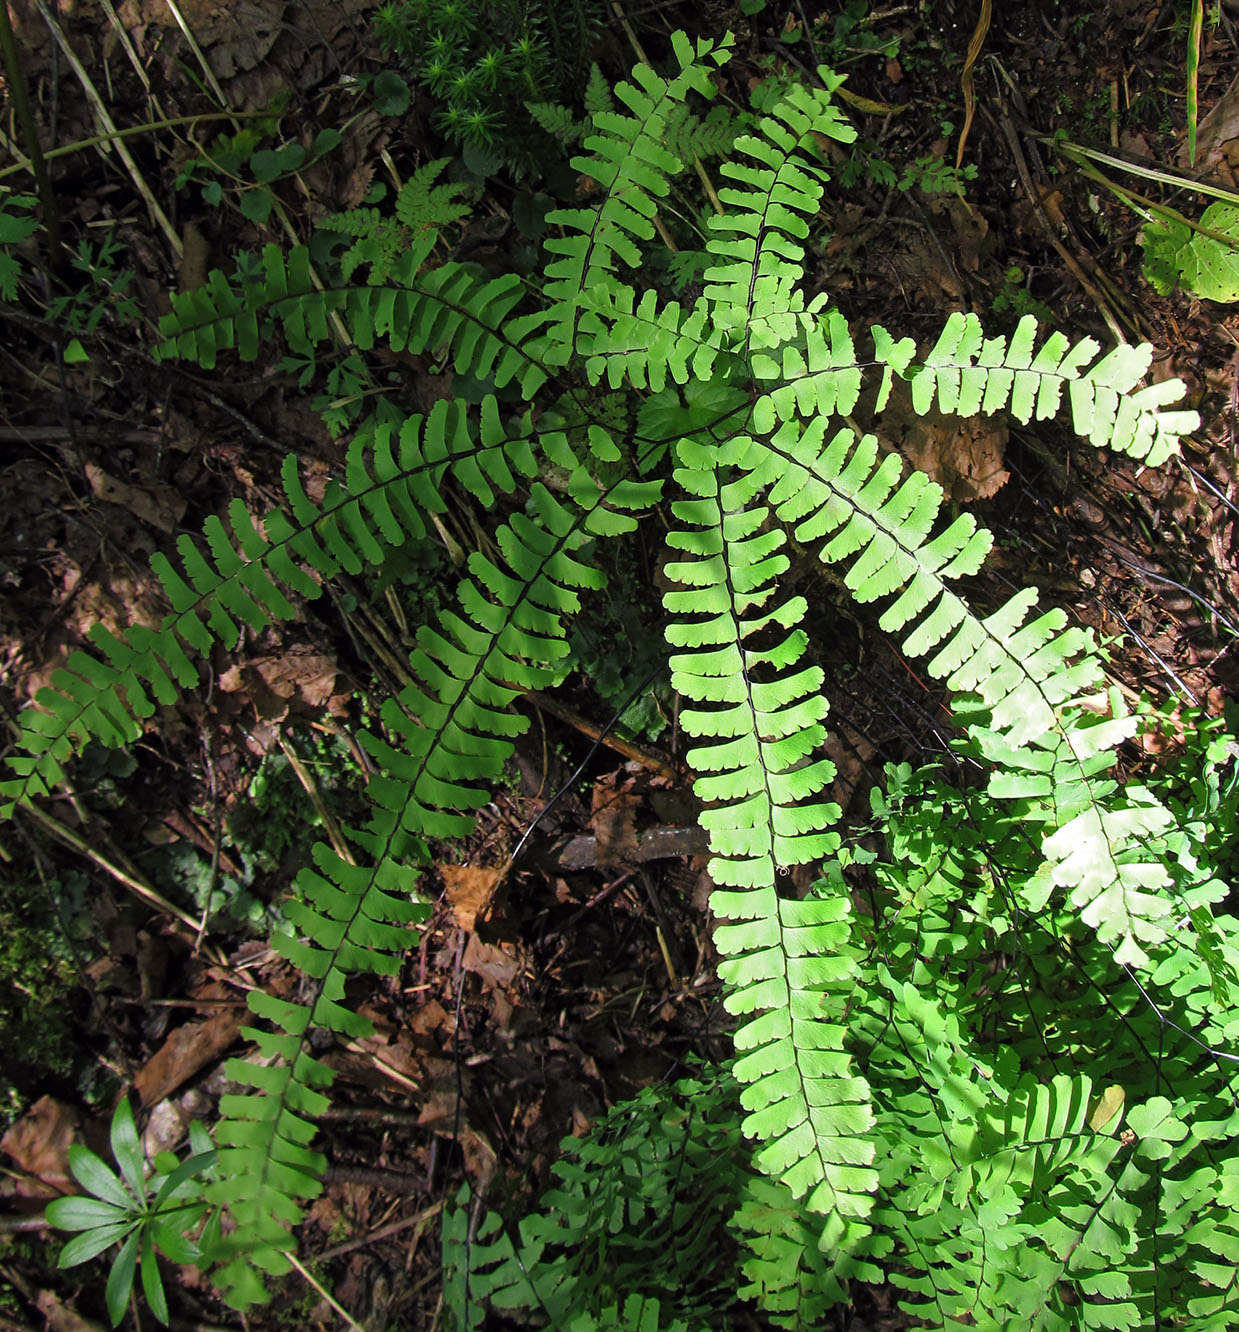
x: 66, y: 149
x: 318, y: 1286
x: 135, y: 885
x: 384, y: 1232
x: 19, y: 99
x: 1038, y: 203
x: 659, y: 766
x: 306, y: 778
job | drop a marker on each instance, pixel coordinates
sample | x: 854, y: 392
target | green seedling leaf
x: 1209, y: 266
x: 75, y: 353
x: 1163, y: 241
x: 82, y: 1248
x: 390, y: 94
x: 289, y: 157
x: 126, y: 1148
x: 77, y: 1213
x: 120, y: 1278
x: 213, y: 193
x: 267, y: 165
x: 325, y: 141
x: 95, y: 1177
x: 182, y: 1174
x: 14, y: 229
x: 257, y: 204
x: 169, y: 1240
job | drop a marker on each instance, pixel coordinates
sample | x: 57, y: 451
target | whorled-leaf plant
x: 739, y: 426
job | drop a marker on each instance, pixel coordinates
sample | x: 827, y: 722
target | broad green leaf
x: 77, y: 1213
x: 81, y: 1248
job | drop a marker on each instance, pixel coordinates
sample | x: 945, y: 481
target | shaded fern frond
x: 252, y: 574
x: 380, y: 240
x: 447, y: 738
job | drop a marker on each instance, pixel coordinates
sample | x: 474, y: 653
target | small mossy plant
x: 1006, y: 1082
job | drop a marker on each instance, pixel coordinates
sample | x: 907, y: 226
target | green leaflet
x: 885, y: 1119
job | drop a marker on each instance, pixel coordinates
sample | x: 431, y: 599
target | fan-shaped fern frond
x: 753, y: 290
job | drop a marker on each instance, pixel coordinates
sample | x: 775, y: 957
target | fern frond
x: 448, y: 736
x: 250, y: 575
x: 753, y: 288
x: 967, y: 374
x: 415, y: 310
x: 1031, y: 678
x: 421, y: 205
x: 628, y: 159
x: 758, y: 722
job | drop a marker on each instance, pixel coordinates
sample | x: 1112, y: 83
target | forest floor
x: 531, y: 1002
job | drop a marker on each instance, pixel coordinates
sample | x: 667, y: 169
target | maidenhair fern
x: 905, y: 1115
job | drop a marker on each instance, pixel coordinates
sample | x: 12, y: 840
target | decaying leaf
x: 613, y: 820
x: 187, y: 1051
x: 161, y: 506
x: 38, y: 1145
x: 964, y: 457
x: 469, y: 891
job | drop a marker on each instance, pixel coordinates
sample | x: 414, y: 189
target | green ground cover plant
x: 991, y: 1061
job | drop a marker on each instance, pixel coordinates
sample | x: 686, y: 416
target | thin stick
x: 306, y: 778
x: 123, y: 34
x: 20, y: 99
x: 130, y: 881
x: 64, y: 150
x: 318, y: 1286
x: 384, y: 1232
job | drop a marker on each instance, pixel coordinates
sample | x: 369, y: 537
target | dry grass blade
x: 966, y: 78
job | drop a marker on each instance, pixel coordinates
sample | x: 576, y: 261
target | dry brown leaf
x: 275, y: 684
x: 469, y: 891
x: 497, y: 968
x: 614, y: 819
x: 187, y: 1051
x: 1217, y: 139
x: 964, y: 457
x: 159, y: 505
x: 38, y: 1144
